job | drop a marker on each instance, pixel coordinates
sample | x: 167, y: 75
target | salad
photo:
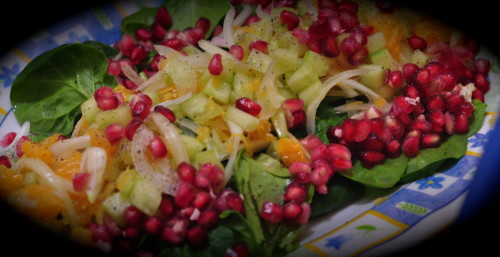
x: 226, y: 136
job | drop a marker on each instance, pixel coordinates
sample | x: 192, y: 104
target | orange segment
x: 10, y: 180
x: 394, y: 29
x: 36, y: 201
x: 99, y: 139
x: 290, y: 151
x: 84, y: 209
x: 68, y: 166
x: 40, y: 150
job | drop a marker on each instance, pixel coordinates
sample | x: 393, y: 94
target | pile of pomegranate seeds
x: 186, y: 218
x: 431, y: 108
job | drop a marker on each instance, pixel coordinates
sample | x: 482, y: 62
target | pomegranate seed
x: 126, y: 45
x: 251, y: 19
x: 258, y: 45
x: 421, y: 124
x: 166, y: 206
x: 311, y: 142
x: 349, y: 45
x: 453, y: 102
x: 393, y: 78
x: 186, y: 172
x: 436, y: 102
x: 349, y: 20
x: 409, y: 69
x: 129, y: 84
x: 201, y: 182
x: 372, y: 112
x: 173, y: 43
x: 112, y: 227
x: 108, y: 103
x: 462, y: 123
x: 103, y: 92
x: 481, y: 82
x: 163, y: 17
x: 204, y: 24
x: 338, y: 151
x: 423, y: 77
x: 132, y: 127
x: 321, y: 152
x: 157, y: 148
x: 348, y: 6
x: 237, y: 51
x: 358, y: 57
x: 478, y: 94
x: 482, y: 66
x: 430, y: 140
x: 169, y: 114
x: 215, y: 66
x: 133, y: 217
x: 335, y: 26
x: 334, y: 133
x: 201, y: 199
x: 4, y: 160
x: 393, y: 148
x: 301, y: 35
x: 185, y: 194
x: 466, y: 108
x: 80, y: 181
x: 7, y: 139
x: 114, y: 68
x: 213, y: 174
x: 249, y: 106
x: 449, y: 123
x: 114, y: 132
x: 371, y: 158
x: 197, y: 236
x: 291, y: 211
x: 241, y: 250
x: 152, y: 225
x: 362, y: 130
x: 410, y: 145
x: 349, y: 129
x: 306, y: 212
x: 323, y: 164
x: 314, y: 44
x: 341, y: 163
x: 158, y: 32
x: 188, y: 212
x: 230, y: 200
x: 143, y: 34
x: 402, y: 105
x: 290, y: 19
x: 271, y: 212
x: 373, y: 143
x: 437, y: 120
x: 417, y: 43
x: 19, y: 144
x: 330, y: 46
x: 175, y: 230
x: 327, y: 4
x: 319, y: 176
x: 131, y: 233
x: 295, y: 192
x: 208, y: 218
x: 100, y: 234
x: 138, y: 53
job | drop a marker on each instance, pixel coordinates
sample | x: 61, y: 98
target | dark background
x: 477, y: 233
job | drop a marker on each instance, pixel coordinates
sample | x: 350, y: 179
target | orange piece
x: 68, y: 166
x: 394, y: 28
x: 10, y: 180
x: 99, y: 139
x: 36, y: 201
x: 126, y: 93
x: 167, y: 93
x: 40, y: 150
x: 84, y: 209
x: 290, y: 151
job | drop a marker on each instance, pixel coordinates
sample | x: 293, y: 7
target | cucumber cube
x: 115, y: 206
x: 375, y: 42
x: 311, y: 93
x: 218, y: 89
x: 319, y: 63
x: 145, y: 196
x: 258, y: 61
x: 383, y: 58
x: 246, y: 121
x: 89, y: 110
x: 201, y: 108
x: 121, y: 115
x: 375, y: 78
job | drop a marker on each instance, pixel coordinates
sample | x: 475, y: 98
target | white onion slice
x: 67, y: 146
x: 244, y: 14
x: 235, y: 130
x: 175, y: 101
x: 227, y: 27
x: 327, y: 85
x: 132, y: 75
x: 47, y: 177
x: 94, y: 162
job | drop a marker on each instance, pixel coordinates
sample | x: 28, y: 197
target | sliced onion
x: 235, y: 130
x: 165, y: 50
x: 261, y: 13
x: 171, y: 136
x: 267, y: 94
x: 160, y: 172
x: 69, y: 145
x: 327, y: 85
x: 151, y: 81
x: 243, y: 15
x: 78, y: 127
x: 227, y: 27
x: 94, y: 162
x: 132, y: 75
x: 47, y: 177
x: 197, y: 61
x: 212, y: 49
x: 175, y: 101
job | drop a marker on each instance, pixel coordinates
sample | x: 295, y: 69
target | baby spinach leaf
x: 385, y: 175
x: 341, y: 192
x: 49, y: 91
x: 327, y: 117
x: 109, y: 51
x: 140, y: 19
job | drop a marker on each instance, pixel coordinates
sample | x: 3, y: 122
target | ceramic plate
x: 382, y: 222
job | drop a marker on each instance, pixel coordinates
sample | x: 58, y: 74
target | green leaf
x: 341, y: 192
x: 385, y: 175
x: 109, y: 51
x: 50, y: 89
x: 143, y: 18
x: 327, y: 117
x: 186, y: 13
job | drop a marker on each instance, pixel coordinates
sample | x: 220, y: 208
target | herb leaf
x: 49, y: 91
x: 143, y: 18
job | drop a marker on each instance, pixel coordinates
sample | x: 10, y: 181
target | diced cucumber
x: 155, y: 97
x: 375, y: 42
x: 201, y: 108
x: 218, y: 89
x: 272, y: 165
x: 89, y: 110
x: 246, y: 121
x: 121, y: 115
x: 310, y: 93
x: 243, y: 86
x: 183, y: 75
x: 206, y: 156
x: 319, y: 63
x: 193, y: 146
x: 145, y: 196
x: 227, y: 73
x: 286, y: 93
x: 419, y: 58
x: 286, y: 60
x: 126, y: 181
x: 258, y: 61
x: 375, y: 78
x: 303, y: 77
x: 115, y: 206
x: 383, y: 58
